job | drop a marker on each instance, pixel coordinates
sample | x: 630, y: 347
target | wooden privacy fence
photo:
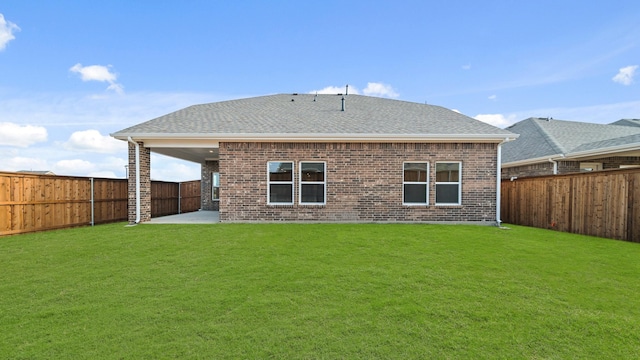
x: 43, y: 202
x: 605, y: 203
x: 167, y: 197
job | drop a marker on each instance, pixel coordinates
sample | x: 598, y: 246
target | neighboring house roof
x: 542, y: 139
x: 627, y: 122
x: 308, y: 117
x: 38, y: 172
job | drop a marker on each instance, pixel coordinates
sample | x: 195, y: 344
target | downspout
x: 555, y: 166
x: 499, y: 180
x: 137, y: 179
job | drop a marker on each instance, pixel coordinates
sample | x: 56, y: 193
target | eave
x: 197, y: 140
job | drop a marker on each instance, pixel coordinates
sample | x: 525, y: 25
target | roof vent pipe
x: 343, y: 103
x: 346, y: 92
x: 315, y: 98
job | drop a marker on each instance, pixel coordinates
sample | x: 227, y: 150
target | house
x: 334, y: 158
x: 547, y: 146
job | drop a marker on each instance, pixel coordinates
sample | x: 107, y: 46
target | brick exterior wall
x: 566, y: 167
x: 145, y: 184
x: 364, y: 182
x: 527, y: 170
x: 207, y: 168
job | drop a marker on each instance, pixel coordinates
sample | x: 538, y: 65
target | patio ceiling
x: 197, y: 155
x: 195, y: 150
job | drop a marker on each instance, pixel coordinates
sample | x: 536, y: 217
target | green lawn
x: 321, y: 291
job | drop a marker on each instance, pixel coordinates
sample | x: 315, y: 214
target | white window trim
x: 416, y: 182
x: 213, y: 185
x: 459, y: 182
x: 269, y: 182
x: 300, y: 183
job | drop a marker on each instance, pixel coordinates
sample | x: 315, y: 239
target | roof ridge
x: 550, y: 138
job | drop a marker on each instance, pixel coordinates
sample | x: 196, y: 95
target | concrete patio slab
x: 196, y: 217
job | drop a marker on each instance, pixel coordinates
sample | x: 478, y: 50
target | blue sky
x: 72, y: 72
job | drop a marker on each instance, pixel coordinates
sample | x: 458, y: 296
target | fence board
x: 190, y: 196
x: 43, y: 202
x: 605, y: 203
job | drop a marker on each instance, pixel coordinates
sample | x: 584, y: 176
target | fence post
x: 92, y: 204
x: 179, y: 197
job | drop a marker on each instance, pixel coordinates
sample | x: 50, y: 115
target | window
x: 415, y: 183
x: 313, y: 183
x: 215, y: 186
x: 448, y: 183
x: 280, y: 183
x: 590, y: 166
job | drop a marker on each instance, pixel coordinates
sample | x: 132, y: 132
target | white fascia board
x: 207, y: 139
x: 532, y: 161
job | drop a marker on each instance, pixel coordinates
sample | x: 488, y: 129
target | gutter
x: 137, y: 178
x: 532, y: 161
x: 318, y: 137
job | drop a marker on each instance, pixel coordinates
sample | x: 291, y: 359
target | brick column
x: 206, y: 169
x: 145, y: 184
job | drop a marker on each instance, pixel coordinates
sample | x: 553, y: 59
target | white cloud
x: 372, y: 89
x: 103, y: 174
x: 173, y: 169
x: 21, y: 135
x: 466, y: 67
x: 380, y: 89
x: 332, y: 90
x: 6, y: 32
x: 98, y: 73
x: 493, y: 97
x: 73, y: 167
x: 18, y: 163
x: 498, y: 120
x: 625, y: 75
x: 93, y: 141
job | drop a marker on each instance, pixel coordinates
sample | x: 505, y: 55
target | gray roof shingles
x: 542, y: 137
x: 627, y: 122
x: 313, y: 114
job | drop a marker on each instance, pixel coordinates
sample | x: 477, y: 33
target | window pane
x: 312, y: 171
x: 447, y: 194
x: 280, y: 193
x: 415, y: 193
x: 280, y: 171
x: 312, y: 193
x: 415, y: 172
x: 447, y: 172
x: 215, y: 179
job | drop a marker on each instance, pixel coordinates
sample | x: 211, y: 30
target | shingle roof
x: 627, y: 122
x: 542, y: 137
x: 310, y: 114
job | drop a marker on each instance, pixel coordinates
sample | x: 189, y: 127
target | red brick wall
x: 364, y: 181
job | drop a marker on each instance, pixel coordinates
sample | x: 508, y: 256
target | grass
x: 321, y: 291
